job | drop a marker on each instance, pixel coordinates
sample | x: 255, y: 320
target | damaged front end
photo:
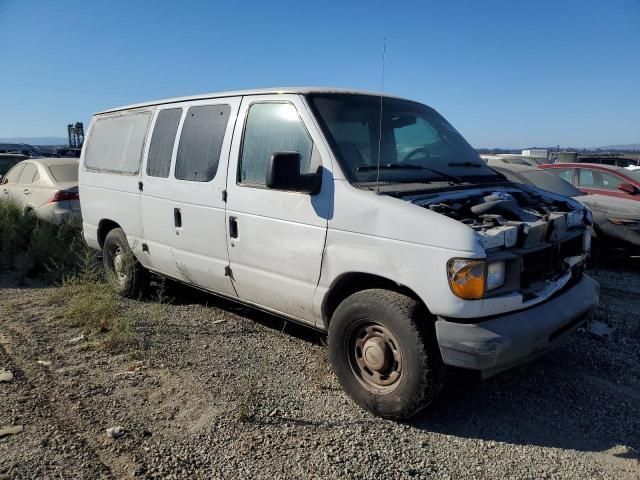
x: 535, y: 241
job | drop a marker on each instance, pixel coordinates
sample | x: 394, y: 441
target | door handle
x: 233, y: 227
x: 177, y: 218
x: 26, y: 191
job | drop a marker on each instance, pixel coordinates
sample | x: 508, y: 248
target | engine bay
x: 510, y: 217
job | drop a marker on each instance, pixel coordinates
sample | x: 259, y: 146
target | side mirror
x: 628, y: 188
x: 283, y: 173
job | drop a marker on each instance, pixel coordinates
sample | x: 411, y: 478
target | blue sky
x: 505, y: 73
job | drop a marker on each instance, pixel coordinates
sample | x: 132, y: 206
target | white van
x: 365, y: 216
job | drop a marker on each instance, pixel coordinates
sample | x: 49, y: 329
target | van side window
x: 201, y: 142
x: 162, y: 140
x: 270, y: 128
x: 115, y: 142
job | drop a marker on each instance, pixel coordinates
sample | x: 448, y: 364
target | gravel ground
x: 219, y: 391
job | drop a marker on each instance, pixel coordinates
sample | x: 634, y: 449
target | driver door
x: 275, y: 238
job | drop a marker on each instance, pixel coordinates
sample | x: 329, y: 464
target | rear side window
x: 201, y: 142
x: 271, y: 128
x: 162, y: 140
x: 566, y: 175
x: 12, y: 176
x: 116, y: 142
x: 64, y: 173
x: 586, y: 178
x: 609, y: 182
x: 28, y: 175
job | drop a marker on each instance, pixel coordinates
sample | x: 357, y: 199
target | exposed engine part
x: 508, y: 218
x: 504, y: 205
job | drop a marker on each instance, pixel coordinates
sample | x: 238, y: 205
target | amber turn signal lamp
x: 467, y: 277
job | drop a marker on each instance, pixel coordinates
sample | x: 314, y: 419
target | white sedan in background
x: 47, y: 187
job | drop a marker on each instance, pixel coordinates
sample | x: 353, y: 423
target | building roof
x: 255, y: 91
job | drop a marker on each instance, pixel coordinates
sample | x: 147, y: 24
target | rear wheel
x: 125, y: 274
x: 383, y: 350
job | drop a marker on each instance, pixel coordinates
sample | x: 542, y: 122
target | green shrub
x: 32, y: 246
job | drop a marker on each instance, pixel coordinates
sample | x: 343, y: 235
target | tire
x: 123, y: 271
x: 383, y: 349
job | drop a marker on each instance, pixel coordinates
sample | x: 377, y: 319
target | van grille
x: 548, y: 262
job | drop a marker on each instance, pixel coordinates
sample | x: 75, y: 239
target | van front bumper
x: 501, y: 342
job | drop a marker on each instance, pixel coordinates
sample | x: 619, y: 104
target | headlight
x: 470, y: 279
x: 467, y: 277
x: 495, y: 275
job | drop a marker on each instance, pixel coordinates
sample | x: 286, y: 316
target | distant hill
x: 36, y: 140
x: 630, y: 146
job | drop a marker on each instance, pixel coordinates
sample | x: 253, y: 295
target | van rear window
x: 115, y: 143
x: 201, y: 142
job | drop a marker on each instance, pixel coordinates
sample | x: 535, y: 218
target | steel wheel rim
x: 375, y: 357
x: 117, y: 262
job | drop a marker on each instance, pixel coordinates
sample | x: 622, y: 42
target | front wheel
x: 384, y: 352
x: 125, y: 274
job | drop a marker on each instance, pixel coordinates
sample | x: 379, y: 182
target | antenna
x: 384, y: 52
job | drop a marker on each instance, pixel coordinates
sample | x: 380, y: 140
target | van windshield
x: 414, y: 142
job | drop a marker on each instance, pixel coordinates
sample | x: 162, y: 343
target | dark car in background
x: 613, y: 160
x: 67, y: 152
x: 616, y: 220
x: 57, y: 151
x: 597, y: 178
x: 21, y: 148
x: 8, y: 160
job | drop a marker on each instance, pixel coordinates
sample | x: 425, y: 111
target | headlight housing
x: 495, y: 275
x: 469, y: 279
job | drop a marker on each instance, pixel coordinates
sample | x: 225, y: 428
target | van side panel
x: 108, y: 179
x: 184, y: 218
x: 157, y: 210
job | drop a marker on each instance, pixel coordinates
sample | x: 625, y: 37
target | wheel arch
x: 349, y: 283
x: 104, y: 227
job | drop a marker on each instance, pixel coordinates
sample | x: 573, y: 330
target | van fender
x: 418, y: 269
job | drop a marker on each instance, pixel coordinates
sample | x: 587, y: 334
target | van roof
x: 255, y: 91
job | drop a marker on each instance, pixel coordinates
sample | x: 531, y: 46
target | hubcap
x: 375, y: 357
x: 376, y: 354
x: 119, y: 265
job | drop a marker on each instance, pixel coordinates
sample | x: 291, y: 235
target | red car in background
x: 597, y: 178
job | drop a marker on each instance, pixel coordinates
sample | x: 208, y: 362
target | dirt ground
x: 209, y: 389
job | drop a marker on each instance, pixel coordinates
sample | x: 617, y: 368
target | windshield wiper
x: 476, y: 165
x: 388, y: 166
x: 465, y: 164
x: 410, y: 166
